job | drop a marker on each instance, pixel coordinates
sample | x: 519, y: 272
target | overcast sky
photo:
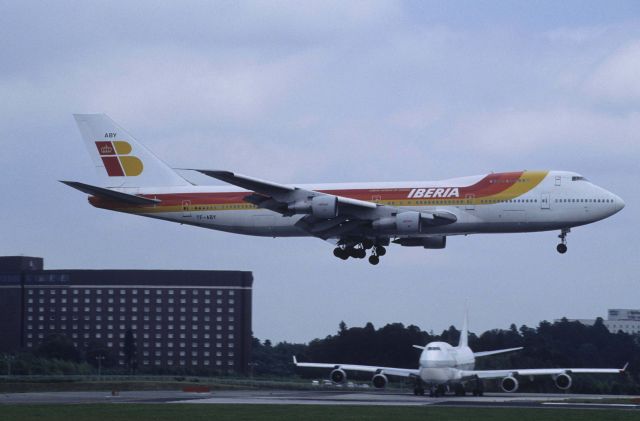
x: 301, y: 92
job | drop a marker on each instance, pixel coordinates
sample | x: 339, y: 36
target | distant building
x: 625, y: 320
x: 195, y: 319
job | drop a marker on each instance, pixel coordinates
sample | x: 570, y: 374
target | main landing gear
x: 359, y: 251
x: 478, y: 389
x: 562, y: 247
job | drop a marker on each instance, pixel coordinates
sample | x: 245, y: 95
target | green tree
x: 59, y: 347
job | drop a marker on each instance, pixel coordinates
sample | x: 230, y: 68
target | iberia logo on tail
x: 116, y: 159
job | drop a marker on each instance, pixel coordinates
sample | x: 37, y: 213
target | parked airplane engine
x: 338, y: 376
x: 379, y: 381
x: 318, y: 206
x: 403, y: 222
x: 509, y: 384
x: 431, y: 242
x: 563, y: 381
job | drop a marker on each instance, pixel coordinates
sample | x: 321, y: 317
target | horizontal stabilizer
x: 497, y: 351
x: 419, y: 347
x: 110, y: 194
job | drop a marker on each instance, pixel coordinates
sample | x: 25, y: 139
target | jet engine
x: 509, y: 384
x: 403, y: 222
x: 338, y: 376
x: 324, y: 207
x: 431, y: 242
x: 563, y: 381
x: 379, y: 381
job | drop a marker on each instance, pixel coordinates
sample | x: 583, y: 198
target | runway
x: 323, y: 397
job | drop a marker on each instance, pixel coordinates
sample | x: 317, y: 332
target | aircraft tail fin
x: 120, y: 159
x: 464, y: 333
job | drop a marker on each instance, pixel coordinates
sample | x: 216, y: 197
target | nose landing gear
x: 562, y: 247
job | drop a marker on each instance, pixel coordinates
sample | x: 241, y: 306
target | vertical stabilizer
x: 120, y: 159
x: 464, y: 333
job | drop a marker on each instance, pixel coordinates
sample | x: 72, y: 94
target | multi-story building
x: 619, y: 319
x: 192, y: 319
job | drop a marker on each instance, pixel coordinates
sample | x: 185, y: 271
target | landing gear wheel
x: 340, y: 253
x: 381, y: 251
x: 418, y: 391
x: 562, y: 247
x: 374, y: 260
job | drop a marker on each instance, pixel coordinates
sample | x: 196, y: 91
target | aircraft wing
x: 497, y: 351
x: 353, y: 214
x: 390, y: 371
x: 496, y: 374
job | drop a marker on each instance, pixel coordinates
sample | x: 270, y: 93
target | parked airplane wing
x: 390, y: 371
x: 496, y: 374
x: 497, y: 351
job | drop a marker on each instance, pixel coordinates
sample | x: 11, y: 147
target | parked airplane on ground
x: 356, y: 217
x: 442, y: 366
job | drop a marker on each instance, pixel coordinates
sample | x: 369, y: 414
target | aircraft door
x: 545, y: 201
x: 186, y: 208
x: 469, y: 202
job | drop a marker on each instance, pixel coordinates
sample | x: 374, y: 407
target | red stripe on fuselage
x: 490, y: 185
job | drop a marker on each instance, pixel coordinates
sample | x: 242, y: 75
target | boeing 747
x: 358, y: 218
x: 442, y: 367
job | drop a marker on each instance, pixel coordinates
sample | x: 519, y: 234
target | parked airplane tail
x: 464, y: 333
x: 120, y: 159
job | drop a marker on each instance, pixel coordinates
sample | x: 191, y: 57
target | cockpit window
x: 577, y: 178
x: 433, y: 348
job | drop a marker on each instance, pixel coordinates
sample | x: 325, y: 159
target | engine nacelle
x: 509, y: 384
x: 338, y: 376
x: 431, y: 242
x: 379, y: 381
x: 324, y: 207
x: 563, y: 381
x: 403, y: 222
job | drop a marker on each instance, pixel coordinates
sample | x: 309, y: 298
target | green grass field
x: 195, y: 412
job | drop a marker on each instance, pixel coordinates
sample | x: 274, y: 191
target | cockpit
x: 433, y: 348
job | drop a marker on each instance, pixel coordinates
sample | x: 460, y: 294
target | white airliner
x: 442, y: 366
x: 355, y: 217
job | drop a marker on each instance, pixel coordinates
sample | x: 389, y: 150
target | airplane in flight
x: 358, y: 218
x: 442, y: 367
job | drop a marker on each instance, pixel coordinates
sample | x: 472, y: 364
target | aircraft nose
x: 618, y: 203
